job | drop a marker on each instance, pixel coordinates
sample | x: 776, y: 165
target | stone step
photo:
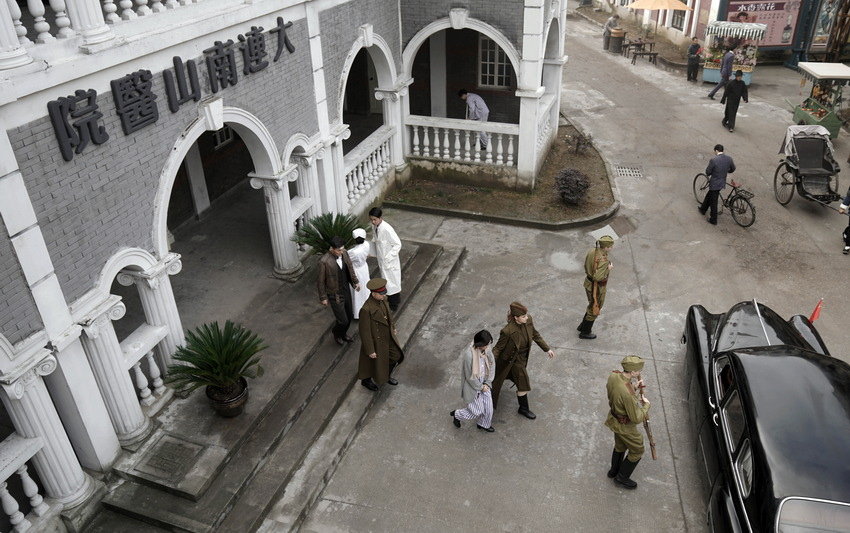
x: 292, y: 506
x: 278, y: 427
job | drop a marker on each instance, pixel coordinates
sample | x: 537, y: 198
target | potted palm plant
x: 220, y: 360
x: 319, y: 230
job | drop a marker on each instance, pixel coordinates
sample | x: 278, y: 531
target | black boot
x: 616, y: 460
x: 580, y: 327
x: 624, y: 475
x: 585, y: 333
x: 523, y: 407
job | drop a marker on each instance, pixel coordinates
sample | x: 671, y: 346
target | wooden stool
x: 652, y: 57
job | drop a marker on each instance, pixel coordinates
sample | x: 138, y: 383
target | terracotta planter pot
x: 229, y: 407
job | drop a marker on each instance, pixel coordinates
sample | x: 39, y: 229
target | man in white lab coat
x: 387, y: 248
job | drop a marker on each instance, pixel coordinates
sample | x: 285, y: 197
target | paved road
x: 411, y: 470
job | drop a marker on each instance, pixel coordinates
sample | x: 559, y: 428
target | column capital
x: 110, y: 309
x: 15, y: 386
x: 170, y: 266
x: 276, y: 182
x: 537, y: 92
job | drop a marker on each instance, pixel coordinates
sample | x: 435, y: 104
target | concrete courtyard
x: 411, y: 470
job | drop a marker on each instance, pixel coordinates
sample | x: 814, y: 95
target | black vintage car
x: 770, y: 411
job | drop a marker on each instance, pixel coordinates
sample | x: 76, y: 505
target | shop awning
x: 824, y: 71
x: 745, y: 30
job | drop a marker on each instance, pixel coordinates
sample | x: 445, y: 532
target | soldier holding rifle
x: 596, y: 268
x: 628, y: 408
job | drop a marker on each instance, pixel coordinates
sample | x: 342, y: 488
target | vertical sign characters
x: 780, y: 17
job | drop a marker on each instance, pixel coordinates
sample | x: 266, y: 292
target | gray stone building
x: 122, y: 120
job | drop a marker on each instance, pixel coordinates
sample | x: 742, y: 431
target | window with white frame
x: 494, y: 70
x: 678, y: 20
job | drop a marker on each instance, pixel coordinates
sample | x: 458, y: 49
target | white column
x: 87, y: 20
x: 276, y: 190
x: 339, y: 133
x: 529, y: 110
x: 394, y: 116
x: 33, y: 414
x: 437, y: 43
x: 12, y: 54
x: 158, y: 302
x: 107, y: 362
x: 197, y: 181
x: 530, y: 91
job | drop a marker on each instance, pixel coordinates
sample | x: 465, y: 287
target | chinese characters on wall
x: 77, y: 121
x: 780, y: 17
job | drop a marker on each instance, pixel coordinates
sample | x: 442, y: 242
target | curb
x: 522, y: 222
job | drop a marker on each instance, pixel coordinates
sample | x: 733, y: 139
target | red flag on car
x: 816, y: 313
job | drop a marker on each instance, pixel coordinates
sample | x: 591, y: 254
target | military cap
x: 517, y: 309
x: 605, y: 241
x: 632, y: 363
x: 377, y: 285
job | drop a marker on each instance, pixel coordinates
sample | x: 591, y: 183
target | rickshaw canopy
x: 809, y: 131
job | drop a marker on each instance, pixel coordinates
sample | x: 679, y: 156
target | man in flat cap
x: 380, y: 351
x: 511, y: 352
x: 627, y: 409
x: 732, y: 94
x: 335, y: 280
x: 596, y: 269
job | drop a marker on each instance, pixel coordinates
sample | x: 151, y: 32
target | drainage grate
x: 628, y: 172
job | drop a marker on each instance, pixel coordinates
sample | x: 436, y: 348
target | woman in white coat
x: 358, y: 255
x: 387, y: 248
x: 478, y: 368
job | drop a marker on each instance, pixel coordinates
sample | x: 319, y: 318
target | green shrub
x: 319, y: 231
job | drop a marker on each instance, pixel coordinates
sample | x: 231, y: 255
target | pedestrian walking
x: 478, y: 368
x: 387, y: 248
x: 380, y: 351
x: 597, y: 268
x: 335, y: 275
x: 626, y: 409
x: 720, y: 166
x: 734, y: 91
x: 511, y: 352
x: 725, y: 71
x: 612, y: 22
x: 694, y: 51
x: 358, y: 254
x: 476, y: 109
x: 843, y: 208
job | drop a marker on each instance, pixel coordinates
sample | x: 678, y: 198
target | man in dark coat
x: 511, y: 352
x: 725, y: 71
x: 336, y: 274
x: 380, y: 351
x: 718, y: 168
x: 693, y: 59
x: 732, y: 94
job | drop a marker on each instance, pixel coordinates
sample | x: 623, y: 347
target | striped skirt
x: 481, y: 408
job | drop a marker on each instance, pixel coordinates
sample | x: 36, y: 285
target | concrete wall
x: 103, y: 200
x: 505, y: 15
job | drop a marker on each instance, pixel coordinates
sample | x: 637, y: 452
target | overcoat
x: 387, y: 248
x: 470, y: 384
x: 511, y: 355
x: 377, y: 335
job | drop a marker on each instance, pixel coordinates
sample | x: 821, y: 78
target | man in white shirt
x: 387, y: 248
x: 476, y: 109
x: 335, y: 276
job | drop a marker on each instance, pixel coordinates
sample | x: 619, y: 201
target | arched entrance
x: 550, y: 79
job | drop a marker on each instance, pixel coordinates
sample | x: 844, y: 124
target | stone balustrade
x: 367, y: 163
x: 464, y: 141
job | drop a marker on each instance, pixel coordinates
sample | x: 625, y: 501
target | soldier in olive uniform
x: 627, y: 410
x: 596, y: 267
x: 511, y: 354
x: 380, y: 351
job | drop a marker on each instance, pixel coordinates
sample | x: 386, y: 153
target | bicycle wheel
x: 784, y: 183
x: 742, y: 211
x: 700, y: 187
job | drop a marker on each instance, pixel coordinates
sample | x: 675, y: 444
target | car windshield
x: 808, y: 516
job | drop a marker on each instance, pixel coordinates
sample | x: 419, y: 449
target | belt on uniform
x: 623, y: 419
x: 602, y: 282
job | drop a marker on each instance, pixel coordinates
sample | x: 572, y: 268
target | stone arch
x: 254, y: 134
x: 126, y: 258
x: 382, y: 57
x: 552, y: 46
x: 422, y: 36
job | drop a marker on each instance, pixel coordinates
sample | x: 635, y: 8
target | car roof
x: 800, y: 408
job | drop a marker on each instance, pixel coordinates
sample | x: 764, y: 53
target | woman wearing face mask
x: 478, y: 369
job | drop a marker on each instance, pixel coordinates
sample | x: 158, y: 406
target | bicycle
x: 737, y: 201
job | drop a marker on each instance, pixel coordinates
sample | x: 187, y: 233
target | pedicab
x: 821, y: 107
x: 808, y: 166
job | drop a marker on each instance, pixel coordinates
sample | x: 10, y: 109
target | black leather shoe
x: 455, y: 421
x: 339, y: 340
x: 710, y: 222
x: 347, y: 338
x: 488, y: 430
x: 587, y: 335
x: 369, y: 384
x: 392, y: 381
x: 701, y: 212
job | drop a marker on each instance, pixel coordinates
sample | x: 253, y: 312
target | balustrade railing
x: 464, y: 141
x: 15, y: 452
x: 544, y: 124
x: 367, y: 163
x: 145, y: 369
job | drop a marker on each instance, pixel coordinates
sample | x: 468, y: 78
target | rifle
x: 646, y: 426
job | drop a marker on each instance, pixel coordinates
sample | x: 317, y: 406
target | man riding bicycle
x: 718, y: 168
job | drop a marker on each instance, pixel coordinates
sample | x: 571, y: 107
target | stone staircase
x: 268, y: 476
